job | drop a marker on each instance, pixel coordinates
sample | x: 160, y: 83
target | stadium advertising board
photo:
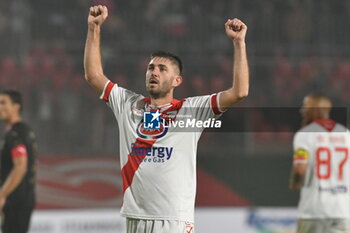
x: 208, y: 220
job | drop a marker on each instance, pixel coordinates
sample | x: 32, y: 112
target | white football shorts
x: 158, y: 226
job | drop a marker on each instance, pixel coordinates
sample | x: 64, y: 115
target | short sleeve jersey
x: 324, y: 146
x: 158, y: 166
x: 20, y: 140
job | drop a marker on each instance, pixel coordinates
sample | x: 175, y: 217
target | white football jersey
x: 158, y: 165
x: 324, y: 145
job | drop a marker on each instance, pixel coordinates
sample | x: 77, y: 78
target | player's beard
x: 160, y: 92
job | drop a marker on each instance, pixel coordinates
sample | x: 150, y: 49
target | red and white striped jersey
x: 324, y: 145
x: 158, y: 165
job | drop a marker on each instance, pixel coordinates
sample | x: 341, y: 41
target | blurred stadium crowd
x: 292, y: 51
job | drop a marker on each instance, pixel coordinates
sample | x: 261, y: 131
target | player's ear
x: 177, y: 81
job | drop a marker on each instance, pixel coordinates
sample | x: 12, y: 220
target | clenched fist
x: 97, y: 15
x: 236, y: 30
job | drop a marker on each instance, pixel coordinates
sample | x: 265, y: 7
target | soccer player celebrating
x: 17, y: 194
x: 321, y: 169
x: 159, y: 166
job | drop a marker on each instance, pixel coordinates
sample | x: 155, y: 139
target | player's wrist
x: 94, y: 27
x: 238, y: 43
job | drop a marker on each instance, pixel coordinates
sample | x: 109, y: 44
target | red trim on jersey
x: 215, y: 105
x: 18, y: 151
x: 134, y: 161
x: 176, y: 106
x: 108, y: 90
x: 176, y: 102
x: 147, y: 100
x: 327, y: 124
x: 300, y: 159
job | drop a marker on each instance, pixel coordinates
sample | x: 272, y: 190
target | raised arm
x: 92, y: 56
x: 236, y: 30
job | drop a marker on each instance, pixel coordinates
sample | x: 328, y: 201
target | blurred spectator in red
x: 120, y: 79
x: 281, y: 77
x: 174, y: 21
x: 218, y: 83
x: 10, y: 76
x: 298, y: 30
x: 108, y: 3
x: 198, y: 84
x: 340, y: 80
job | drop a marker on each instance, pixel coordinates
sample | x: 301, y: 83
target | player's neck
x: 161, y: 101
x: 322, y: 117
x: 13, y: 120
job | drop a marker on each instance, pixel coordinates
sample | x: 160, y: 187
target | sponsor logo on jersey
x: 151, y: 154
x: 151, y: 133
x: 334, y: 190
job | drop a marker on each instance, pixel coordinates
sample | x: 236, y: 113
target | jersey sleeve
x: 17, y: 145
x: 205, y: 107
x: 301, y: 148
x: 19, y: 151
x: 116, y: 97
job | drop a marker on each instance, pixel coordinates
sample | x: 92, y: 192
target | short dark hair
x: 172, y: 57
x: 15, y: 97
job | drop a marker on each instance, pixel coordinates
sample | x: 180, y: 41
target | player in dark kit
x: 18, y: 153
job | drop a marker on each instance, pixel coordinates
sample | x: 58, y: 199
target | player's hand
x: 236, y: 30
x: 97, y: 15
